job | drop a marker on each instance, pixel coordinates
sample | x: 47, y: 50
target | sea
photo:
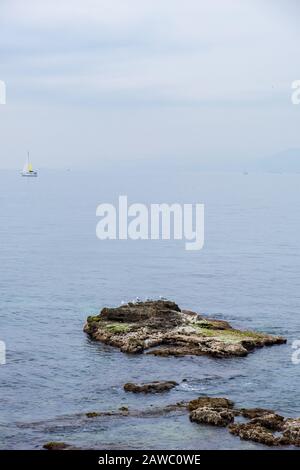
x: 54, y: 272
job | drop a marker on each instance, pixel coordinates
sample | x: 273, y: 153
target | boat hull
x: 29, y: 174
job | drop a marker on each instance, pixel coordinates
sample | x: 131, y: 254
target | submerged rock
x: 56, y: 446
x: 254, y: 412
x: 151, y: 411
x: 93, y: 414
x: 150, y: 387
x: 161, y: 328
x: 124, y: 409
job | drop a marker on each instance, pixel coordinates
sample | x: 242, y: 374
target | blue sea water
x: 54, y: 272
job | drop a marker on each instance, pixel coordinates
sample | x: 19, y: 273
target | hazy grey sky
x: 91, y: 81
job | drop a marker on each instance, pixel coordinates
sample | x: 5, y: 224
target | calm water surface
x: 54, y: 272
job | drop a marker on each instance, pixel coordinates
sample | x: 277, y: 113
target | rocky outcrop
x: 211, y: 410
x: 150, y: 387
x: 163, y: 329
x: 210, y: 402
x: 291, y: 432
x: 263, y: 426
x: 271, y: 421
x: 270, y: 429
x: 254, y: 432
x: 264, y: 429
x: 214, y: 416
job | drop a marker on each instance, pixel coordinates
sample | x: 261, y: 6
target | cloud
x: 191, y: 51
x: 221, y: 56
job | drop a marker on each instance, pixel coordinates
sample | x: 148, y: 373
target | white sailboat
x: 28, y: 170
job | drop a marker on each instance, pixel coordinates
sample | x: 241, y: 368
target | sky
x: 96, y: 82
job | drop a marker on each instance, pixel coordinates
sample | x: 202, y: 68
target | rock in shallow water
x: 270, y: 429
x: 214, y: 416
x: 254, y: 412
x: 254, y: 432
x: 211, y: 402
x: 150, y: 387
x: 271, y: 421
x: 56, y: 446
x: 161, y: 328
x: 264, y: 427
x: 291, y: 431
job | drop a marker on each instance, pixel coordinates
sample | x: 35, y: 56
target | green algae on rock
x: 161, y: 328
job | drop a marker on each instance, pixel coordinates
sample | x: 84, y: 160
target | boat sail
x: 28, y: 169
